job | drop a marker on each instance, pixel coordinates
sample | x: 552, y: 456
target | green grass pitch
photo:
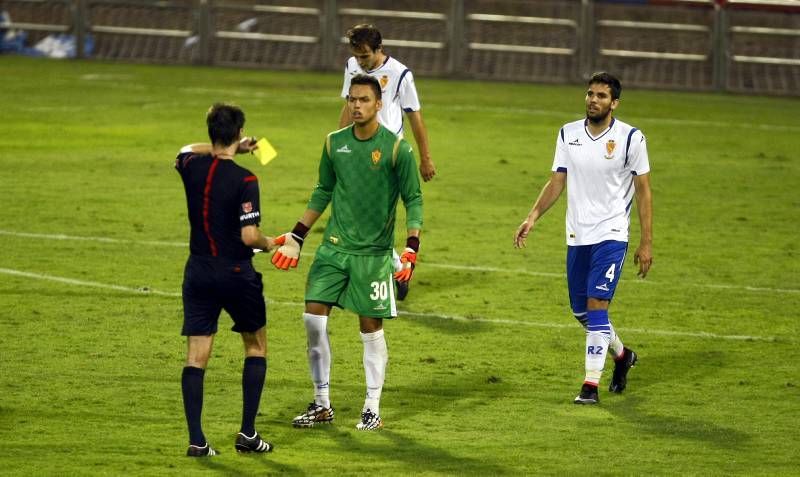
x: 486, y: 358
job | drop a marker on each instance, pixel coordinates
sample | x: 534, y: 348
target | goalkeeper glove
x: 408, y: 260
x: 288, y: 254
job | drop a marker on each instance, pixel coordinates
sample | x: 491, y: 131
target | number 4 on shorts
x: 610, y: 272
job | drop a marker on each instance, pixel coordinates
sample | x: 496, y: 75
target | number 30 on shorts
x: 380, y: 291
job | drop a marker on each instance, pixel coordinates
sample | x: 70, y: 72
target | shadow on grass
x: 415, y: 456
x: 416, y: 444
x: 446, y: 323
x: 254, y: 464
x: 681, y: 371
x: 678, y: 427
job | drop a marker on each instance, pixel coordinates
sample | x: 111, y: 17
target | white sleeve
x: 560, y: 159
x: 636, y: 154
x: 407, y: 93
x: 346, y: 81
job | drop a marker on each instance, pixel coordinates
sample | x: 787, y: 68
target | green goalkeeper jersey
x: 364, y: 179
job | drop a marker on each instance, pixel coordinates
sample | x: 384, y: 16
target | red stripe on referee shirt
x: 207, y: 204
x: 251, y: 179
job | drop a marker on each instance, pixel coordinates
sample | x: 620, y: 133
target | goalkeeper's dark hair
x: 606, y: 78
x: 367, y: 80
x: 364, y: 34
x: 224, y: 122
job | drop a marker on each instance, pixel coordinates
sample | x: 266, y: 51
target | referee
x: 224, y: 214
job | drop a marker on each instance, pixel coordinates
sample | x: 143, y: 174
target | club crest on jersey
x: 610, y: 146
x: 247, y: 207
x: 376, y: 157
x: 384, y: 81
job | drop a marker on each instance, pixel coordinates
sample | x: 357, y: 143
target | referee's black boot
x: 252, y: 444
x: 201, y: 451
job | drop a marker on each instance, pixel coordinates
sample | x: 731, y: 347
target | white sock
x: 376, y: 355
x: 319, y: 356
x: 596, y: 350
x: 398, y: 265
x: 615, y: 344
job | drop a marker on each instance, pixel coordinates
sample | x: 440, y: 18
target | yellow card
x: 264, y: 151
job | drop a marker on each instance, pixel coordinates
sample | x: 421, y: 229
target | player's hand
x: 408, y: 260
x: 644, y: 258
x: 522, y: 233
x: 246, y: 144
x: 288, y: 253
x: 427, y: 170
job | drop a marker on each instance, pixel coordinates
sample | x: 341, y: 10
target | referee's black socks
x: 253, y: 375
x: 192, y: 384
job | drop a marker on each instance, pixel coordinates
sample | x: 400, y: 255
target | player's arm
x: 644, y: 204
x: 410, y: 191
x: 409, y: 101
x: 411, y: 194
x: 344, y: 116
x: 547, y: 197
x: 426, y: 167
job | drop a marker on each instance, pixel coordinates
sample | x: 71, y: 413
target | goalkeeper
x: 364, y: 169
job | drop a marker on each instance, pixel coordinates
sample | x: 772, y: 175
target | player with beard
x: 604, y: 165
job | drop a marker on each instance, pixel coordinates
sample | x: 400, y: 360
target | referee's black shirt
x: 222, y: 197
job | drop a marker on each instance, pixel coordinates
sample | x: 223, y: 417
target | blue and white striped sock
x: 598, y: 337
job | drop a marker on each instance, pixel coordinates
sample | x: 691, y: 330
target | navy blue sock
x: 192, y: 384
x: 253, y: 375
x: 582, y: 319
x: 597, y: 320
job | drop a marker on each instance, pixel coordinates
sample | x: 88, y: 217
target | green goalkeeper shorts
x: 360, y: 283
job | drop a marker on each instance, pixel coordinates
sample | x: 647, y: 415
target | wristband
x: 300, y: 231
x: 413, y: 243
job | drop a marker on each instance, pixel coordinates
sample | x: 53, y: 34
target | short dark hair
x: 367, y: 80
x: 606, y: 78
x: 364, y: 34
x: 224, y: 123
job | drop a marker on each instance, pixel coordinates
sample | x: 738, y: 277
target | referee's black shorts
x: 212, y: 284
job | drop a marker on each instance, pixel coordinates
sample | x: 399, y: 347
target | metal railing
x: 695, y: 44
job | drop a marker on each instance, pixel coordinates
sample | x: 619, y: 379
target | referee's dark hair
x: 364, y: 34
x: 608, y: 79
x: 369, y: 81
x: 224, y: 123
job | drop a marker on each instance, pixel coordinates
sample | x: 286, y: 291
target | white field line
x: 326, y: 99
x: 464, y: 319
x: 472, y: 268
x: 94, y: 239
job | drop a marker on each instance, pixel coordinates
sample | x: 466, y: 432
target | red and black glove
x: 408, y: 260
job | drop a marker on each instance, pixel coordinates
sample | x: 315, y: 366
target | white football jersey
x: 397, y: 90
x: 600, y: 174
